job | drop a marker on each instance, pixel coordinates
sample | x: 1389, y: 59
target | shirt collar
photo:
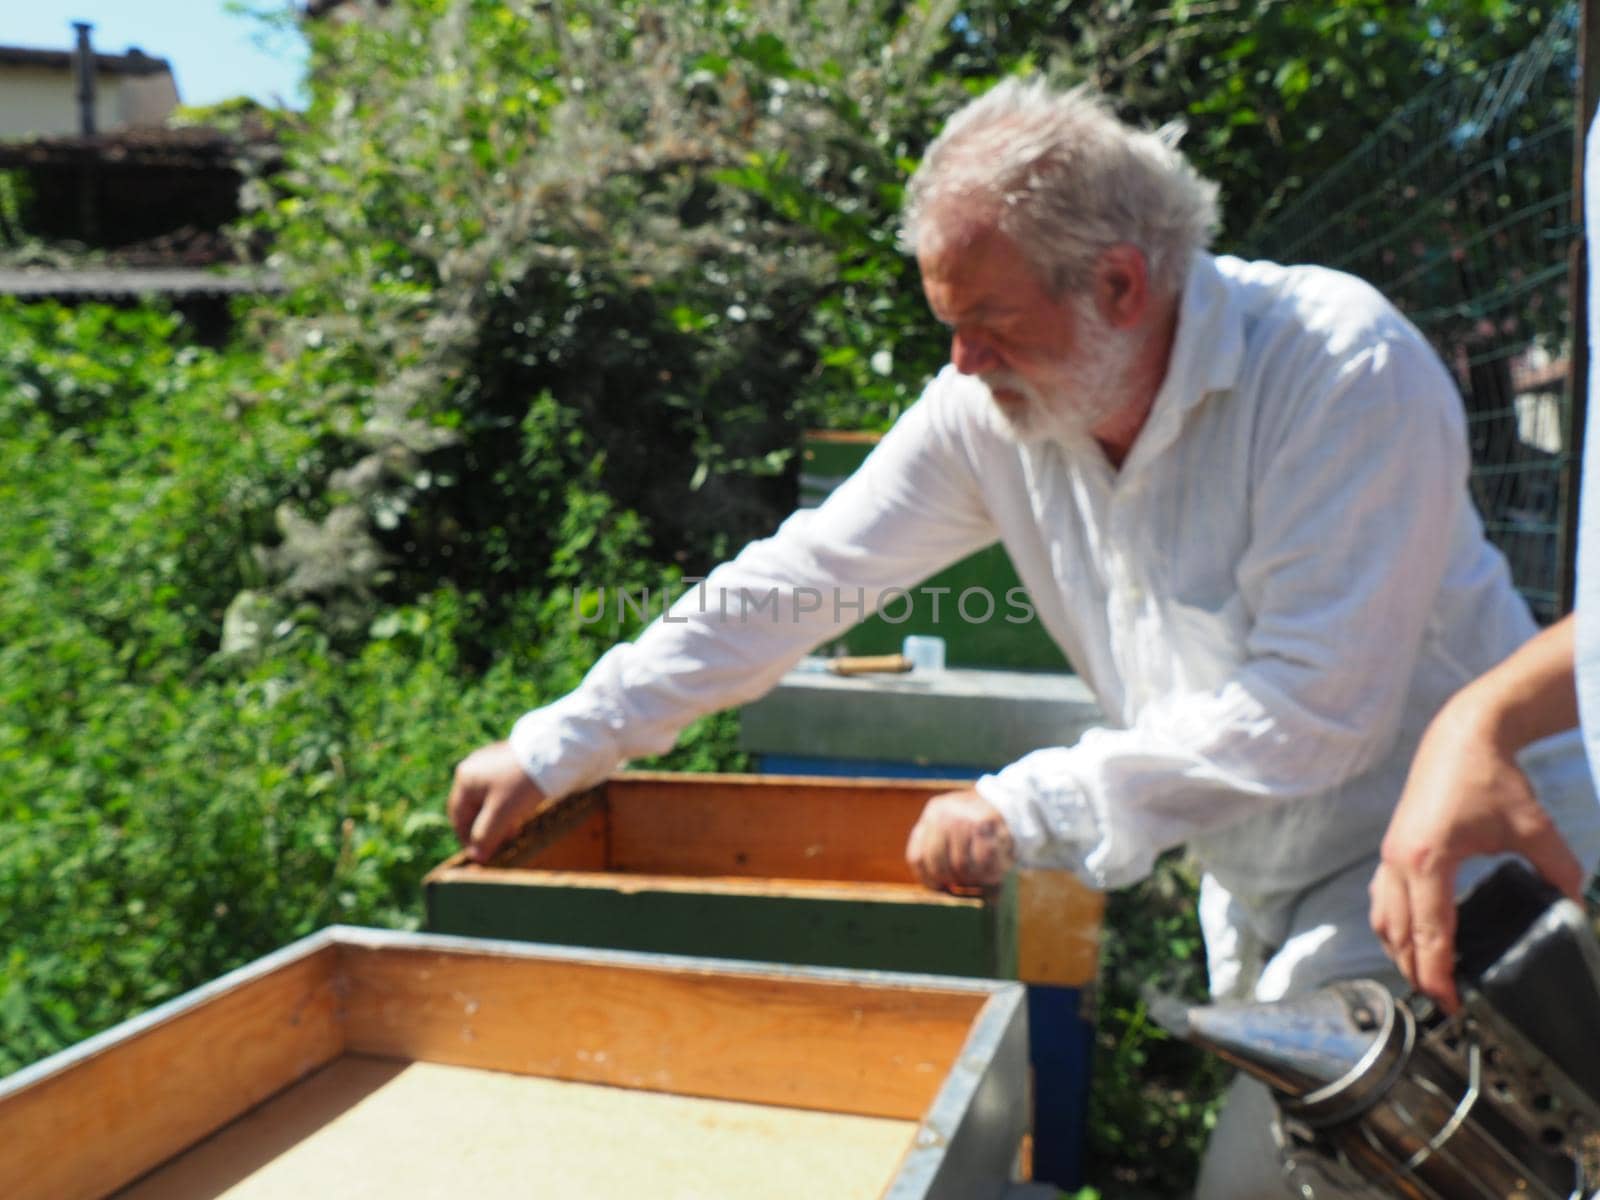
x: 1206, y: 355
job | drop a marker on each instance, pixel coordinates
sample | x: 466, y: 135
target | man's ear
x: 1122, y: 286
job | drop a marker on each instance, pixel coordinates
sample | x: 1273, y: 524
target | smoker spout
x: 1296, y: 1047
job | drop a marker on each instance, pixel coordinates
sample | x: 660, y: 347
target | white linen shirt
x: 1269, y: 599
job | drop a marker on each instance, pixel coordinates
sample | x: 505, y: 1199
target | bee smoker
x: 1390, y: 1095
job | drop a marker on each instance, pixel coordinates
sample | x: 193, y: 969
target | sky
x: 215, y: 53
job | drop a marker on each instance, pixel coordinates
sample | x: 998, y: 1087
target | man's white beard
x: 1080, y: 393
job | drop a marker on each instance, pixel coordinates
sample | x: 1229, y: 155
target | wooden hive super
x: 769, y: 868
x: 358, y: 1063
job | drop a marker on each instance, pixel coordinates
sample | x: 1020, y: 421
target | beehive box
x: 359, y: 1063
x: 1002, y: 640
x: 763, y: 867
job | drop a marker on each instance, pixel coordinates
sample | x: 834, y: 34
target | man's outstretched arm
x: 910, y: 510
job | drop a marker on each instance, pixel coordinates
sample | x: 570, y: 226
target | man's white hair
x: 1064, y: 179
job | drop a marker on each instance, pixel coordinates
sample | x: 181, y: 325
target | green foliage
x: 238, y: 115
x: 1274, y: 94
x: 14, y: 198
x: 1155, y: 1098
x: 168, y: 811
x: 676, y: 222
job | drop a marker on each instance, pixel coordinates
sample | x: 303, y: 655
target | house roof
x: 194, y: 147
x: 134, y: 62
x: 319, y: 8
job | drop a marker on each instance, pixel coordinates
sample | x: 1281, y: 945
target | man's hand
x: 1465, y: 796
x: 491, y: 799
x: 960, y: 840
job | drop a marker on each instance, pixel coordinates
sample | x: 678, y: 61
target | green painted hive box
x: 766, y: 868
x: 977, y: 605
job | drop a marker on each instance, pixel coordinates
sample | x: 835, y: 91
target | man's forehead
x: 972, y: 260
x: 955, y: 229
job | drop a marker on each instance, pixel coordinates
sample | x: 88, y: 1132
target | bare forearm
x: 1529, y: 696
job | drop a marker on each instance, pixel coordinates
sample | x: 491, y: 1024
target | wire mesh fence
x: 1460, y: 209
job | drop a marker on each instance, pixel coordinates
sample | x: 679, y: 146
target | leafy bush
x: 674, y: 221
x: 1154, y: 1100
x: 167, y: 810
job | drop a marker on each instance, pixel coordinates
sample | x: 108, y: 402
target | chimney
x: 83, y: 66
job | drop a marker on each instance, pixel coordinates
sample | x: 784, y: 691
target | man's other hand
x: 960, y: 840
x: 1465, y: 797
x: 491, y: 799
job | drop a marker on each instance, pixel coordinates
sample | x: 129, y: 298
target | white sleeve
x: 1353, y: 513
x: 911, y: 509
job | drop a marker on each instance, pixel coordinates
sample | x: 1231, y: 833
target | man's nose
x: 971, y: 354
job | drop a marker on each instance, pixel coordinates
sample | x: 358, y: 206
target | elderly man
x: 1236, y: 495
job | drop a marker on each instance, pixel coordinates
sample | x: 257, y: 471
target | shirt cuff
x: 1054, y: 830
x: 550, y: 747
